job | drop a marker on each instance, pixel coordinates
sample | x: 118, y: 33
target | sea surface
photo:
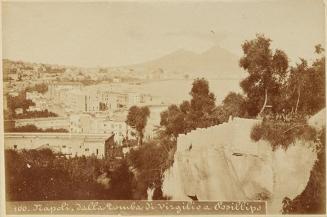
x: 171, y: 91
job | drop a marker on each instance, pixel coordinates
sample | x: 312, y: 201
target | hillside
x: 216, y: 62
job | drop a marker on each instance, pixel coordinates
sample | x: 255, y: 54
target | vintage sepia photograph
x: 163, y: 107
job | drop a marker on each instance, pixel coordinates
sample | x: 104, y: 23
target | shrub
x: 39, y: 175
x: 280, y: 133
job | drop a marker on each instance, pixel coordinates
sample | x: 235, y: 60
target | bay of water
x: 173, y: 91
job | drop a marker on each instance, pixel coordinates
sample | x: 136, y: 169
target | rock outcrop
x: 223, y: 163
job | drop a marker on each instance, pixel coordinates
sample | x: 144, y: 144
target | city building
x: 44, y: 123
x: 70, y: 145
x: 80, y: 123
x: 92, y: 102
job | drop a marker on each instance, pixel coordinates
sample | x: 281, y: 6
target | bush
x: 33, y: 128
x: 149, y: 162
x: 37, y: 175
x: 280, y: 133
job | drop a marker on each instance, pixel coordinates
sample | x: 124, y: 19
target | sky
x: 121, y: 33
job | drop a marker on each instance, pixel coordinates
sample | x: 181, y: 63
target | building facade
x: 68, y: 144
x: 44, y: 123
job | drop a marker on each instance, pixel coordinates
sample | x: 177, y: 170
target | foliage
x: 175, y: 120
x: 137, y: 118
x: 196, y: 113
x: 19, y: 101
x: 36, y: 114
x: 89, y: 81
x: 233, y: 105
x: 149, y: 162
x: 103, y: 106
x: 267, y: 71
x: 122, y: 183
x: 33, y: 128
x: 36, y: 175
x: 306, y: 87
x: 41, y: 88
x: 202, y: 104
x: 281, y: 133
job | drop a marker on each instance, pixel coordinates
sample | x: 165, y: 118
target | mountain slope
x: 215, y: 62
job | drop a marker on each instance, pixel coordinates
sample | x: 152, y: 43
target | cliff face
x: 223, y: 163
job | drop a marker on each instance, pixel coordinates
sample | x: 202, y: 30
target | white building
x: 134, y: 98
x: 44, y: 123
x: 67, y: 144
x: 80, y: 123
x: 55, y: 89
x: 92, y: 102
x: 73, y: 100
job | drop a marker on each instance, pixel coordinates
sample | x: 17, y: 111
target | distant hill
x: 216, y: 62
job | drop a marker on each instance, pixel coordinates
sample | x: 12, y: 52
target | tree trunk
x: 140, y: 139
x: 265, y: 103
x: 298, y: 99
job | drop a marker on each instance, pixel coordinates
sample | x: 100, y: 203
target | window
x: 64, y: 146
x: 97, y: 151
x: 87, y: 149
x: 15, y: 146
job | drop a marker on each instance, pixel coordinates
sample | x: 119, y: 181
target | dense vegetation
x: 281, y: 134
x: 41, y: 88
x: 272, y: 83
x: 284, y: 97
x: 20, y: 101
x: 36, y: 114
x: 149, y: 163
x: 33, y: 128
x: 199, y: 112
x: 43, y: 175
x: 137, y: 118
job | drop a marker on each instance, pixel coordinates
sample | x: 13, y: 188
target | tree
x: 33, y: 128
x: 41, y: 88
x: 267, y: 72
x: 137, y: 118
x: 306, y: 86
x: 199, y: 112
x: 297, y: 80
x: 19, y: 101
x: 233, y: 104
x: 319, y: 49
x: 174, y: 121
x: 121, y: 183
x: 149, y: 163
x: 316, y: 100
